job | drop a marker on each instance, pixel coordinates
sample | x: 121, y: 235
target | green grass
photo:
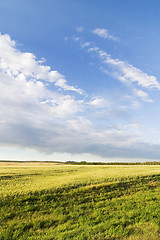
x: 79, y: 202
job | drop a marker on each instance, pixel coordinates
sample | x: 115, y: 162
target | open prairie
x: 58, y: 201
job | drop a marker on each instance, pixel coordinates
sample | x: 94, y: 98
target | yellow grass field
x: 18, y: 178
x: 49, y: 201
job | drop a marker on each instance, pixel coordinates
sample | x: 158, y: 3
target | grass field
x: 51, y: 201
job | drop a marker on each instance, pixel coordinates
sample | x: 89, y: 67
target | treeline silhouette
x: 112, y: 163
x: 85, y: 163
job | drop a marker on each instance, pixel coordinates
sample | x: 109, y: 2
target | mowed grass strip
x: 99, y: 202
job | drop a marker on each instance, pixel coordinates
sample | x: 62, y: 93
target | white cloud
x: 143, y: 95
x: 24, y: 84
x: 86, y: 44
x: 35, y: 116
x: 82, y: 43
x: 128, y: 73
x: 16, y: 63
x: 63, y: 84
x: 99, y: 102
x: 102, y: 32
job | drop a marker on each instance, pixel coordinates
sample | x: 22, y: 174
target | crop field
x: 48, y: 201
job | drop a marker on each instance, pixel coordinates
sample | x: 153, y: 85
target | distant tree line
x: 112, y: 163
x: 88, y: 163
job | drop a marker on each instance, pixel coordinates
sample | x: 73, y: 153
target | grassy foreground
x: 48, y: 201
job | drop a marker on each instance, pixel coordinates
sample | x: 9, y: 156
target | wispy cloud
x: 123, y: 71
x: 82, y: 43
x: 104, y: 33
x: 128, y: 74
x: 143, y: 95
x: 79, y: 29
x: 99, y: 102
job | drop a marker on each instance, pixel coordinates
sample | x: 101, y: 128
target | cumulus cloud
x: 104, y: 33
x: 23, y: 64
x: 35, y: 116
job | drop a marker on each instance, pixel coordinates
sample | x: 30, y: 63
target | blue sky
x: 80, y: 80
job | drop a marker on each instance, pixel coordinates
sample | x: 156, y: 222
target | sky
x: 80, y: 80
